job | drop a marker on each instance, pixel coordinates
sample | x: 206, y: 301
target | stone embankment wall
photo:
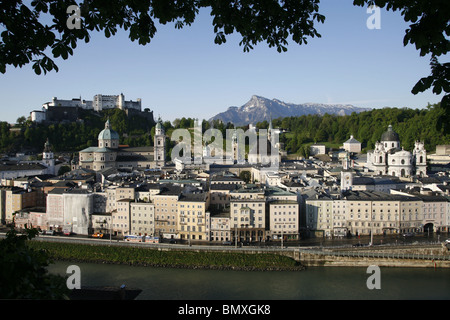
x: 406, y: 257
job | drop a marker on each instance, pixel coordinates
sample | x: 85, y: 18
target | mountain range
x: 258, y: 109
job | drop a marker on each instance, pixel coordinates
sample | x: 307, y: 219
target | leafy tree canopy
x: 31, y: 29
x: 23, y: 270
x: 28, y: 32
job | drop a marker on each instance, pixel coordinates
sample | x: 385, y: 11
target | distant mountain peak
x: 259, y: 108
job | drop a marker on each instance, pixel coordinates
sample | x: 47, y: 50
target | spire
x: 47, y: 146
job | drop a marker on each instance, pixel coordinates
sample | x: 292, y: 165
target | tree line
x: 298, y: 132
x: 367, y: 127
x: 134, y: 130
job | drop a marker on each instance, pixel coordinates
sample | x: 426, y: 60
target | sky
x: 183, y: 73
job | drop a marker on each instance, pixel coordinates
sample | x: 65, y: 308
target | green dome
x: 108, y: 133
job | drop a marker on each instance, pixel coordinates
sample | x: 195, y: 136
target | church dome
x: 390, y: 135
x: 108, y: 133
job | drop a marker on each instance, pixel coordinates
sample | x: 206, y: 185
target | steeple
x: 47, y: 158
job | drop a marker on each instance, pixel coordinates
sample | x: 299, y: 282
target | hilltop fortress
x: 68, y: 110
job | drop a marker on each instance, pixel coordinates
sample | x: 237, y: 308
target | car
x: 359, y: 245
x: 97, y: 235
x: 172, y: 241
x: 50, y: 232
x: 227, y: 243
x: 408, y: 234
x: 447, y: 241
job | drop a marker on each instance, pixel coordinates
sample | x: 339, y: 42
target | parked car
x: 50, y: 232
x: 227, y: 243
x: 359, y: 245
x: 97, y: 235
x: 408, y: 234
x: 447, y: 241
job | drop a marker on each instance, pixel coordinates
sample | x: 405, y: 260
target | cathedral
x: 109, y: 154
x: 389, y: 158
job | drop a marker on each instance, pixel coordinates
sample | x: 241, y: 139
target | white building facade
x: 388, y: 158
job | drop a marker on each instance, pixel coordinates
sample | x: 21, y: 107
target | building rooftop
x: 376, y: 196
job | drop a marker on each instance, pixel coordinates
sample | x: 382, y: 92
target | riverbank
x: 429, y: 256
x: 242, y: 259
x: 179, y: 258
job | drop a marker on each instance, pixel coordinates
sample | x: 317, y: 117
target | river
x: 315, y: 283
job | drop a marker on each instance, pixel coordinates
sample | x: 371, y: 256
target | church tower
x: 160, y: 144
x: 48, y: 159
x: 420, y: 158
x: 346, y: 174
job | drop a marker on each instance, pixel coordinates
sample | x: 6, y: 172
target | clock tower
x: 159, y: 145
x: 346, y: 174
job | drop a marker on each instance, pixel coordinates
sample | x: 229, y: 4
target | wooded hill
x: 301, y: 131
x: 367, y: 127
x: 133, y: 129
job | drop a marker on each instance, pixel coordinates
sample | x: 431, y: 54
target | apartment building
x: 436, y: 213
x: 30, y: 217
x: 248, y: 213
x: 363, y: 213
x: 194, y: 218
x: 166, y: 211
x: 221, y: 227
x: 248, y: 219
x: 121, y: 218
x: 146, y: 192
x: 142, y: 218
x: 14, y: 199
x: 78, y: 209
x: 55, y: 210
x: 319, y: 215
x: 220, y: 194
x: 284, y: 219
x: 339, y: 218
x: 435, y: 209
x: 283, y: 214
x: 125, y: 192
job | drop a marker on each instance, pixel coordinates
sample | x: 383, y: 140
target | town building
x: 121, y: 220
x: 194, y: 217
x: 14, y: 199
x: 284, y: 214
x: 352, y: 145
x: 249, y: 220
x: 55, y: 210
x: 142, y: 218
x: 316, y: 149
x: 13, y: 169
x: 221, y: 227
x: 78, y: 209
x: 166, y: 212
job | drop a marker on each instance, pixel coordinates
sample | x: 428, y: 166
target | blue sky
x: 182, y: 73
